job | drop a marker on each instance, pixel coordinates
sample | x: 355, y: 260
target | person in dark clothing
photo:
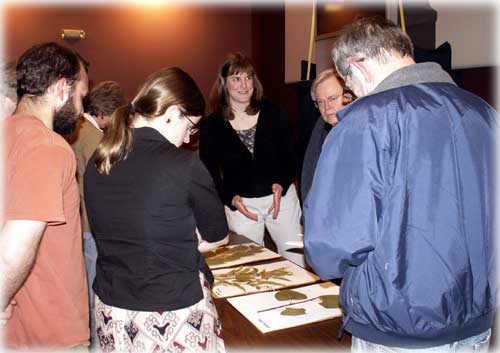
x: 246, y: 144
x: 403, y: 202
x: 328, y: 96
x: 148, y: 204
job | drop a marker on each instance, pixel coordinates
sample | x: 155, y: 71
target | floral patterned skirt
x: 193, y: 329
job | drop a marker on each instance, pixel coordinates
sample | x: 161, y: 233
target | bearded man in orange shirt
x: 41, y: 260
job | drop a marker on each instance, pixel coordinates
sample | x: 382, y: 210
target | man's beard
x: 65, y: 118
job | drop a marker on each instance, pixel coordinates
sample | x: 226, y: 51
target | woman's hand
x: 238, y: 203
x: 275, y: 207
x: 204, y: 246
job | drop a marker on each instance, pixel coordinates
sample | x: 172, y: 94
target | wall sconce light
x: 72, y: 34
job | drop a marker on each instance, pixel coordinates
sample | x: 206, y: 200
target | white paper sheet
x: 263, y: 310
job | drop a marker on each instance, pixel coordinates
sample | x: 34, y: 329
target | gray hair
x: 322, y: 77
x: 369, y: 38
x: 8, y: 86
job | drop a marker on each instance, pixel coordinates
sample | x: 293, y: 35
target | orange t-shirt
x: 52, y: 304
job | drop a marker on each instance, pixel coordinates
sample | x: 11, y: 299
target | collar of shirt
x: 91, y: 120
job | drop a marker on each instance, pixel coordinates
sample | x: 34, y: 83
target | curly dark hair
x: 42, y: 65
x: 162, y: 89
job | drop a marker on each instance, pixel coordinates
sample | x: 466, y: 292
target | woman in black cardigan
x: 246, y: 145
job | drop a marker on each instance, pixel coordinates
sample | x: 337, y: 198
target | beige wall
x: 471, y: 30
x: 297, y: 32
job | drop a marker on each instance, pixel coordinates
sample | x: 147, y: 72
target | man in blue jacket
x: 402, y: 204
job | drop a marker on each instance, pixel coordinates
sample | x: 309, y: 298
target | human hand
x: 238, y: 203
x: 198, y: 235
x: 7, y: 313
x: 275, y: 207
x: 201, y: 243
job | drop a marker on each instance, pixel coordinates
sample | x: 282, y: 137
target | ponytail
x: 116, y: 142
x: 162, y: 89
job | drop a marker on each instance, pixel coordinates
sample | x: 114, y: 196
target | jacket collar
x: 414, y: 74
x: 149, y: 134
x: 428, y: 72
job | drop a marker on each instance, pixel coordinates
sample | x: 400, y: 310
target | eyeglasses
x: 347, y: 98
x: 347, y: 76
x: 193, y: 129
x: 320, y: 104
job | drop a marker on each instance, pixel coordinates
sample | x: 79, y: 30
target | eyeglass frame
x: 347, y: 97
x: 193, y: 129
x: 330, y: 100
x: 349, y: 72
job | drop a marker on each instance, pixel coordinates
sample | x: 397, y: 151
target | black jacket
x: 234, y: 169
x: 318, y: 136
x: 143, y: 215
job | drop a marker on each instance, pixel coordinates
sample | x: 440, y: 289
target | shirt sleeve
x: 209, y: 155
x: 208, y: 209
x: 342, y: 208
x: 35, y: 188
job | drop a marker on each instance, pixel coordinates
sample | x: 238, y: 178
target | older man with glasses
x: 328, y: 96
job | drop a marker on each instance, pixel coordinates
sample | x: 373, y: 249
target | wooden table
x: 241, y: 335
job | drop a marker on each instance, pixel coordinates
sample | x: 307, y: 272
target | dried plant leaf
x: 251, y: 276
x: 216, y: 252
x: 288, y: 294
x: 218, y: 283
x: 293, y: 311
x: 329, y: 301
x: 224, y: 254
x: 243, y: 277
x: 270, y: 283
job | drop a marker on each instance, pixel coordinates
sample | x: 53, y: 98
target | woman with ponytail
x: 148, y: 203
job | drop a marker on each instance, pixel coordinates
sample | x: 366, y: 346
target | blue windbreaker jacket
x: 402, y: 207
